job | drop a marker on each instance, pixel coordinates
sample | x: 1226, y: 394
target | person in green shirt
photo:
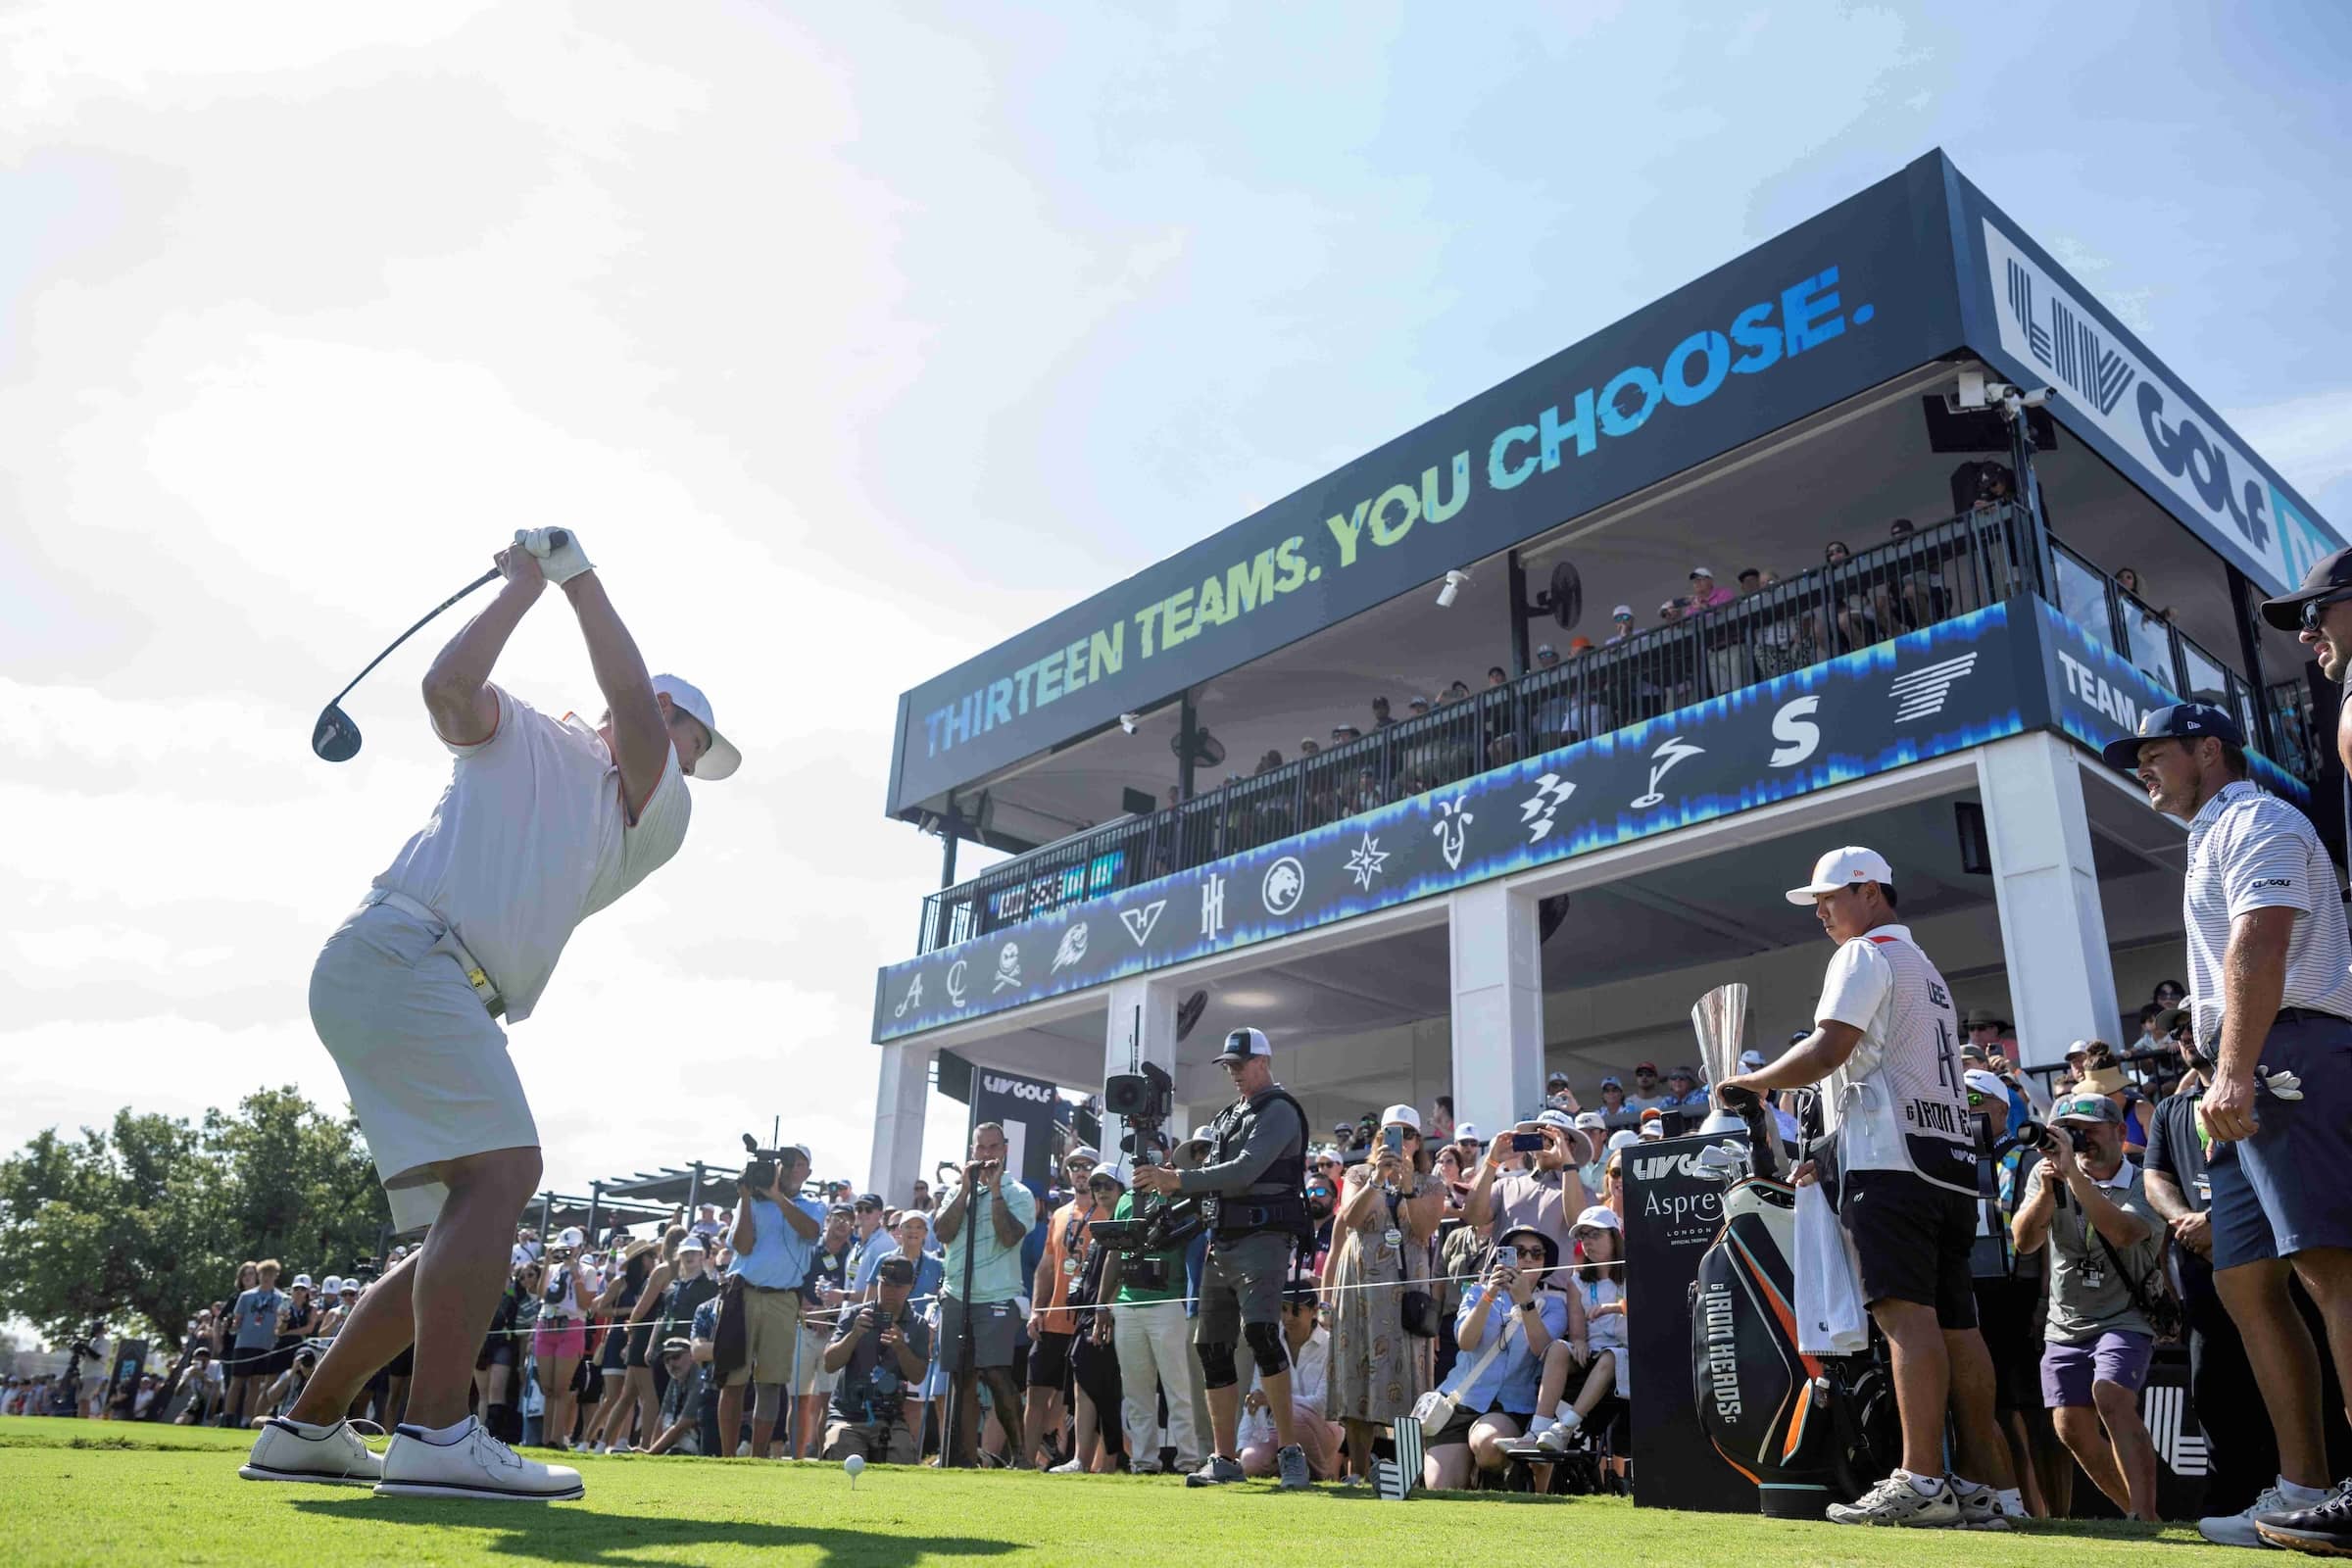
x: 1148, y: 1330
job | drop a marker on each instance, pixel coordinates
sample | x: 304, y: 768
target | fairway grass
x: 146, y: 1496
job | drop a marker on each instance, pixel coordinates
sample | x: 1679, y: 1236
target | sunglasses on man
x: 2314, y: 609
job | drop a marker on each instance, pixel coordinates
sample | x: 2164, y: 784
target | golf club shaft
x: 488, y: 576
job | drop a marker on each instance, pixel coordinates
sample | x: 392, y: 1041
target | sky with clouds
x: 851, y: 340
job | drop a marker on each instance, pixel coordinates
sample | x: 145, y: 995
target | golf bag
x: 1809, y: 1431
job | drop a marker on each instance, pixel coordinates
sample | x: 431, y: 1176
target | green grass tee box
x: 116, y: 1493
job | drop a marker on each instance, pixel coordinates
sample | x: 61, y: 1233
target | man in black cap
x: 1253, y: 1181
x: 2267, y: 958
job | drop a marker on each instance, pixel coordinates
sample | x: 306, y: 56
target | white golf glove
x: 2282, y: 1084
x: 561, y: 563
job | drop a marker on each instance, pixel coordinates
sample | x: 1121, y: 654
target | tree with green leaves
x: 141, y: 1223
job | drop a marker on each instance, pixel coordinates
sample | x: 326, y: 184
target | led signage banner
x: 1859, y: 294
x: 1961, y: 683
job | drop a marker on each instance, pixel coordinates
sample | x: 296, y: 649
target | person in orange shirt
x: 1051, y: 1324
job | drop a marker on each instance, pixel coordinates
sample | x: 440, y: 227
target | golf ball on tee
x: 853, y: 1463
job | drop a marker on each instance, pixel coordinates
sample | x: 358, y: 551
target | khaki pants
x: 771, y: 1332
x: 885, y: 1441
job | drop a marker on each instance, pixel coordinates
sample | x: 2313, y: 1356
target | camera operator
x: 983, y: 1221
x: 2267, y: 964
x: 880, y: 1350
x: 774, y: 1239
x: 1149, y: 1332
x: 1885, y: 1041
x: 2240, y: 1449
x: 1257, y: 1166
x: 2106, y: 1246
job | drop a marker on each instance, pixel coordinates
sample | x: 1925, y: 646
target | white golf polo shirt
x: 530, y: 838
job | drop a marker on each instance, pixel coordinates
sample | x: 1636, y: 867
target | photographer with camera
x: 2087, y: 1203
x: 1257, y: 1168
x: 984, y: 1223
x: 774, y: 1241
x: 1885, y: 1044
x: 879, y: 1353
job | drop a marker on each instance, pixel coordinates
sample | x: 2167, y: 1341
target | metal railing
x: 1852, y: 600
x: 2147, y: 638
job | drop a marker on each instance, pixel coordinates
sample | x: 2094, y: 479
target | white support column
x: 1497, y: 1005
x: 1141, y: 1013
x: 900, y: 1101
x: 2053, y: 931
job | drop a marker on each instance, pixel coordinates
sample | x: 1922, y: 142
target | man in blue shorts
x: 2271, y: 977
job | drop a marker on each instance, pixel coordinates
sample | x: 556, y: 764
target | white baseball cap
x: 1466, y: 1131
x: 302, y: 1282
x: 1986, y: 1084
x: 335, y: 1285
x: 1402, y: 1115
x: 571, y: 1235
x: 1708, y: 573
x: 1627, y: 611
x: 1750, y: 1061
x: 1598, y: 1217
x: 722, y: 757
x: 1243, y: 1044
x: 1843, y: 868
x: 1652, y: 1132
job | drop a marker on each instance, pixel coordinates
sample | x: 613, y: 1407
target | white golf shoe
x: 335, y: 1458
x: 474, y: 1464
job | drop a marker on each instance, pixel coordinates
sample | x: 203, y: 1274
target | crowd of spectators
x: 1485, y: 1265
x: 1762, y: 626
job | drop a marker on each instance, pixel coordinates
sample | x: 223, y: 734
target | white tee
x: 530, y: 838
x: 1898, y: 1103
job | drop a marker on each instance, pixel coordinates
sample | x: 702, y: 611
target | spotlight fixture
x: 1127, y: 722
x: 1453, y: 586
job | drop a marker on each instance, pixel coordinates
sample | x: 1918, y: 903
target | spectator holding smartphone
x: 1380, y: 1362
x: 1507, y: 1323
x: 879, y: 1352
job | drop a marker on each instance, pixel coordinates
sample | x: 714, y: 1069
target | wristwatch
x: 1527, y: 1307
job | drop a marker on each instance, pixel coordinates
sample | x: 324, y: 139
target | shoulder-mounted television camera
x: 761, y: 1173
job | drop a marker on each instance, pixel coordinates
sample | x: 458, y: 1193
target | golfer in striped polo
x: 543, y: 823
x: 2270, y: 996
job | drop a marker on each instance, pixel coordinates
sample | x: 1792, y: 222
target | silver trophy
x: 1720, y: 1020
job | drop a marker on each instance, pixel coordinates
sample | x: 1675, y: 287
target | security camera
x: 2036, y: 398
x: 1453, y: 586
x: 1127, y: 722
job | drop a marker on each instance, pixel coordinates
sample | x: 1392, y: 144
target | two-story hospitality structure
x: 1377, y: 770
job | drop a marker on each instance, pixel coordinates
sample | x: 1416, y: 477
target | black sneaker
x: 2325, y: 1529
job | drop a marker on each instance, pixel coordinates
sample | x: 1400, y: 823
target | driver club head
x: 335, y: 738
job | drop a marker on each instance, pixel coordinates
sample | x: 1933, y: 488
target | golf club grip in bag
x: 1809, y: 1431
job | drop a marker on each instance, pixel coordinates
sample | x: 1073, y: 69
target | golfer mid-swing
x: 542, y: 824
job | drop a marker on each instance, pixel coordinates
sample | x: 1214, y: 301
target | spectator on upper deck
x: 1704, y: 594
x: 1379, y: 713
x: 1750, y: 581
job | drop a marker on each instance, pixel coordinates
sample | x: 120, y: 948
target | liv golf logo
x: 2043, y: 326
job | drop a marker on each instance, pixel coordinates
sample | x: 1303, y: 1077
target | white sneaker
x: 475, y: 1465
x: 1069, y: 1467
x: 1980, y: 1509
x: 336, y: 1456
x: 1896, y: 1502
x: 1557, y: 1437
x: 2238, y: 1529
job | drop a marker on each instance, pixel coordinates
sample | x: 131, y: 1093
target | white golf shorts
x: 425, y: 1063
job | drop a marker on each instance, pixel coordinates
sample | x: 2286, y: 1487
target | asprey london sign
x: 1961, y: 683
x: 1858, y: 294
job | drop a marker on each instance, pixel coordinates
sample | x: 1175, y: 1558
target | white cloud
x: 2309, y: 439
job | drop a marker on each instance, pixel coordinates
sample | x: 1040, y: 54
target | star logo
x: 1365, y: 860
